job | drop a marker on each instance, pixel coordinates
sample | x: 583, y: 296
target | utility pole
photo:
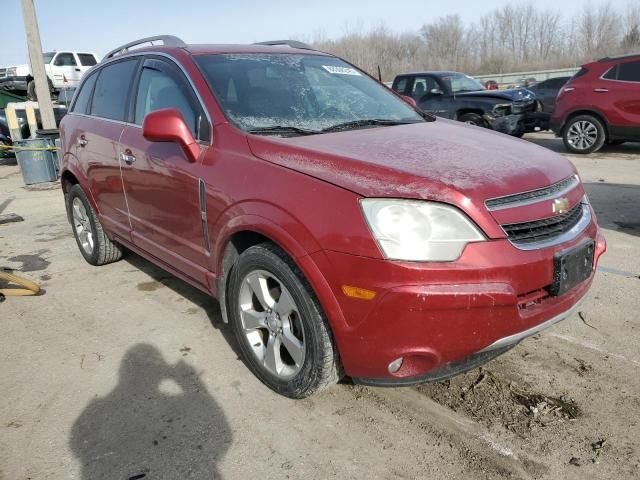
x: 37, y: 64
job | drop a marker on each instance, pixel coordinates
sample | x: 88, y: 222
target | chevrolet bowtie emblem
x: 560, y: 206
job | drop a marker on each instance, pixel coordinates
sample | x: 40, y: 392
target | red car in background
x: 600, y: 105
x: 342, y: 231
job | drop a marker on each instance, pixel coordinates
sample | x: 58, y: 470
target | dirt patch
x: 488, y: 398
x: 149, y: 286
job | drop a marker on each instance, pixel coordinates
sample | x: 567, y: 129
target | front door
x: 161, y: 184
x: 66, y: 71
x: 617, y: 93
x: 430, y: 96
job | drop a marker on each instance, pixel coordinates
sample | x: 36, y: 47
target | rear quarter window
x: 112, y: 89
x: 87, y: 59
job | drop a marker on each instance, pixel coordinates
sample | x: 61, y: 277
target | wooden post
x: 37, y: 64
x: 12, y: 122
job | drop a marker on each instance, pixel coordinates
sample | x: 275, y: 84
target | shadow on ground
x: 616, y: 206
x: 158, y: 422
x: 206, y: 302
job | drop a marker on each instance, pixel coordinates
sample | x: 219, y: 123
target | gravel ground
x: 125, y: 372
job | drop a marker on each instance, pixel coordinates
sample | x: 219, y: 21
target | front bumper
x: 443, y: 319
x: 520, y: 123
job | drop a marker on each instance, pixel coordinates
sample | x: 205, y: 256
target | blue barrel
x: 36, y: 160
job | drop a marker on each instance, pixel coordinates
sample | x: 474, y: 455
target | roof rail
x: 290, y: 43
x: 619, y: 57
x: 168, y: 40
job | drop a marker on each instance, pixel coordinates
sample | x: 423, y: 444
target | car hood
x: 442, y: 160
x: 514, y: 94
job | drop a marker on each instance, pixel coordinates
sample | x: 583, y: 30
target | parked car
x: 64, y: 69
x: 547, y: 91
x: 599, y: 105
x: 342, y: 230
x: 460, y: 97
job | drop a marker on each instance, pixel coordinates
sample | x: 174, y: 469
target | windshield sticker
x: 341, y: 70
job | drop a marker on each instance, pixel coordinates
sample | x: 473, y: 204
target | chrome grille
x: 539, y: 231
x: 532, y: 196
x: 3, y: 72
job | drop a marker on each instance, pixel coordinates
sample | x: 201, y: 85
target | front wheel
x: 282, y: 332
x: 584, y: 134
x: 94, y: 245
x: 473, y: 119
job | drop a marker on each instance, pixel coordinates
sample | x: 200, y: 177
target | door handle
x: 601, y: 90
x: 77, y: 69
x: 81, y: 141
x: 127, y: 157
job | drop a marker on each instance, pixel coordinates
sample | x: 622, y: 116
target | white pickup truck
x: 64, y: 69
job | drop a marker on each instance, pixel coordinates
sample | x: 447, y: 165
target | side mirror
x: 167, y: 125
x: 409, y: 100
x: 436, y: 91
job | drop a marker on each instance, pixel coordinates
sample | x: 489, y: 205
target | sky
x: 99, y: 26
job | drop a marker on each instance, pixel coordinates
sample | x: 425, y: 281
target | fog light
x: 395, y: 365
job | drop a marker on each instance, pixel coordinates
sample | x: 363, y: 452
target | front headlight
x: 12, y: 71
x: 417, y: 230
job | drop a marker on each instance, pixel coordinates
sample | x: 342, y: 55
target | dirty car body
x: 428, y: 246
x: 457, y: 96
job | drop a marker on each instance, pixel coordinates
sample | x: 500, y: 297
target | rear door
x: 98, y: 142
x: 617, y: 94
x: 162, y: 186
x: 66, y: 70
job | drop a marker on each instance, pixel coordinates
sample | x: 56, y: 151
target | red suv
x: 600, y: 105
x: 342, y: 231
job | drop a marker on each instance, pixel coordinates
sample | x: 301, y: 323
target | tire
x: 31, y: 89
x: 584, y: 134
x: 94, y: 245
x: 473, y: 119
x: 303, y: 358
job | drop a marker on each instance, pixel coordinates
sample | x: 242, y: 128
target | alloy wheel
x: 271, y: 324
x: 582, y: 135
x: 82, y: 226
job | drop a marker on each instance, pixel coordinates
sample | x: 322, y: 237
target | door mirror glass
x: 168, y: 125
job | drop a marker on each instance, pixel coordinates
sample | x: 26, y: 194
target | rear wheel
x: 94, y: 245
x: 584, y: 134
x: 282, y: 332
x: 473, y: 119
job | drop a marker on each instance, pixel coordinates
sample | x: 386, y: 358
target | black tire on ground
x: 104, y: 250
x: 473, y: 119
x: 31, y: 89
x: 321, y: 366
x: 592, y: 131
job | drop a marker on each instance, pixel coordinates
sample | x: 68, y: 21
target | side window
x: 612, y: 74
x: 159, y: 89
x: 87, y: 59
x: 629, y: 72
x: 422, y: 86
x: 82, y: 100
x: 65, y: 60
x: 401, y: 86
x: 112, y: 88
x: 556, y: 82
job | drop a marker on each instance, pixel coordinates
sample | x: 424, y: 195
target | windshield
x: 308, y: 93
x: 459, y: 82
x: 48, y: 56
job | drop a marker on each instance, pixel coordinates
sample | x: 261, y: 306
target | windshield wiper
x: 275, y: 129
x: 365, y: 123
